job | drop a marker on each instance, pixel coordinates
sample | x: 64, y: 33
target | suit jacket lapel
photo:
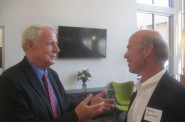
x: 34, y: 81
x: 157, y: 98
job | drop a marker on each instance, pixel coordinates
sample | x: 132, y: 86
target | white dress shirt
x: 144, y: 92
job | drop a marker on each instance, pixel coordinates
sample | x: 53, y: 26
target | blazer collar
x: 157, y: 95
x: 35, y: 83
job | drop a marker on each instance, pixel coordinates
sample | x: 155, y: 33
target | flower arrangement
x: 84, y: 75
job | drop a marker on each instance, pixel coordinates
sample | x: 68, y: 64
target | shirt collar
x: 37, y: 70
x: 151, y: 81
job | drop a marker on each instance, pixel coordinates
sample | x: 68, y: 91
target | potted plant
x: 84, y: 75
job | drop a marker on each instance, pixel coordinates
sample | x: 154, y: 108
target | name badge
x: 153, y: 115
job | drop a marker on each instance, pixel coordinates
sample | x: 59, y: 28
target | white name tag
x: 153, y: 115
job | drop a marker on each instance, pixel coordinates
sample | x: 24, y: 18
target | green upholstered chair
x: 123, y: 93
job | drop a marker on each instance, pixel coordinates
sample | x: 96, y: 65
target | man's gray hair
x: 32, y: 33
x: 160, y: 48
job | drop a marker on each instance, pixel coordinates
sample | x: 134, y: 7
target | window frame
x: 170, y: 5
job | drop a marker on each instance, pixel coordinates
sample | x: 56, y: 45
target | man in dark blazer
x: 159, y: 97
x: 23, y: 96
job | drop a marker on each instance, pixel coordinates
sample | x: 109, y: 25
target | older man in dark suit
x: 26, y: 97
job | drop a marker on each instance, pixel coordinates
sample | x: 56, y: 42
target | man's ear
x: 148, y: 50
x: 30, y: 45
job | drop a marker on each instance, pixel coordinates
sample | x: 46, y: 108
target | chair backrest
x: 123, y: 91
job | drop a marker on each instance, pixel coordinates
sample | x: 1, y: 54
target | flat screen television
x: 80, y: 42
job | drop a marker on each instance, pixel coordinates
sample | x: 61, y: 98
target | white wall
x: 117, y: 16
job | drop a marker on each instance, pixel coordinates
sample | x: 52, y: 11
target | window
x: 160, y: 23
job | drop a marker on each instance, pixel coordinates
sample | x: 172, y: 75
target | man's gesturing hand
x: 86, y: 112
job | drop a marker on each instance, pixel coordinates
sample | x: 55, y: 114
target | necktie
x: 50, y: 94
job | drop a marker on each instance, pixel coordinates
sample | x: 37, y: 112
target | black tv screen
x: 79, y: 42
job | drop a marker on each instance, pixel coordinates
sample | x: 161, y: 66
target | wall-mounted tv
x: 80, y: 42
